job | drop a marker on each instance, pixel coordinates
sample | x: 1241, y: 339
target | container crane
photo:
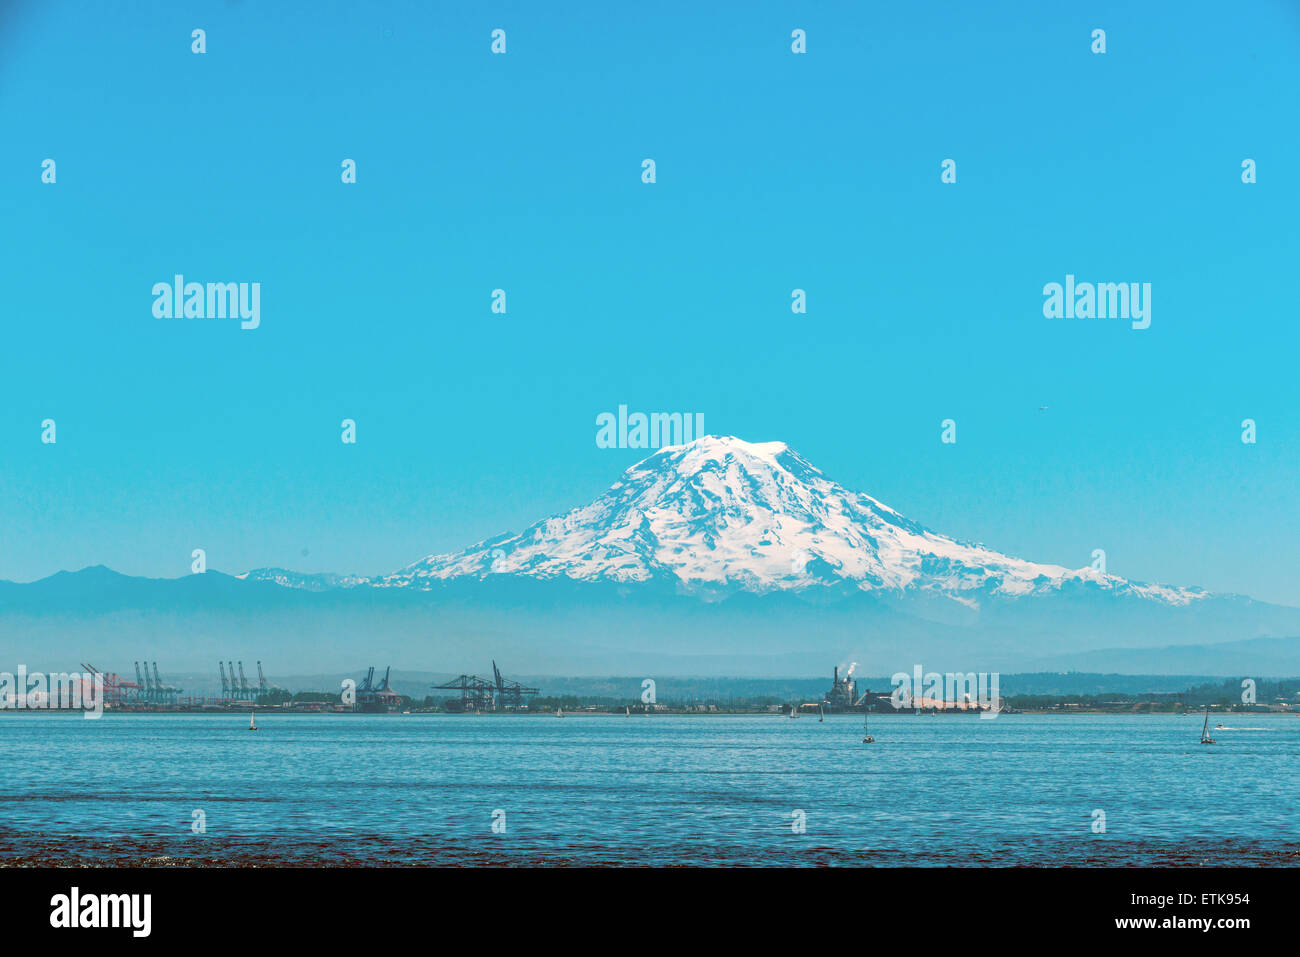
x: 376, y: 697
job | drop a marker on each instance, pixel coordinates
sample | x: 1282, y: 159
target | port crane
x: 116, y: 691
x: 479, y: 694
x: 509, y: 693
x: 368, y: 684
x: 234, y: 684
x: 376, y: 697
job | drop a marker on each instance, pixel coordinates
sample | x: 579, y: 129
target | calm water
x: 416, y: 789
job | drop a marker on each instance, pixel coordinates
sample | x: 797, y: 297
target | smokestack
x: 837, y: 676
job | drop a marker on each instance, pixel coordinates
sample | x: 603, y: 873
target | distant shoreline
x: 276, y: 712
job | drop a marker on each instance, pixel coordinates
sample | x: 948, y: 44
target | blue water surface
x: 647, y: 790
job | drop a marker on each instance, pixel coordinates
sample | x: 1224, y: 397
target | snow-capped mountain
x: 719, y: 557
x: 289, y: 579
x: 720, y: 515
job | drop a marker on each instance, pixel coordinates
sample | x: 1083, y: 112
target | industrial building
x: 843, y: 695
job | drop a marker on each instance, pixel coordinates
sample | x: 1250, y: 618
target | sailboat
x: 866, y: 737
x: 559, y: 712
x: 1205, y: 729
x: 252, y: 722
x: 628, y: 708
x: 821, y: 714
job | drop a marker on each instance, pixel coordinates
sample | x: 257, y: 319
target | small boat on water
x: 1205, y: 729
x: 559, y: 712
x: 252, y: 722
x: 628, y: 708
x: 866, y: 735
x: 821, y: 714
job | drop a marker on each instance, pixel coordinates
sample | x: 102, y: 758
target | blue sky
x: 522, y: 172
